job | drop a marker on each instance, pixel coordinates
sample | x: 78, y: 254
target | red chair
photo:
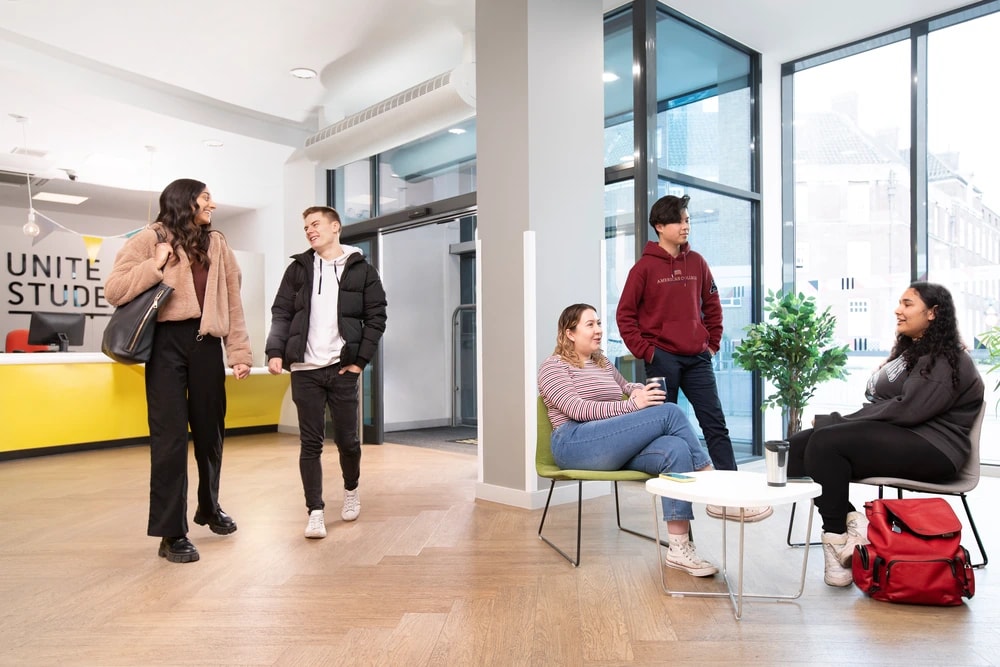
x: 17, y: 341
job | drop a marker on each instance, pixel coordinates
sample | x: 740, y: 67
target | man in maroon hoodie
x: 670, y: 316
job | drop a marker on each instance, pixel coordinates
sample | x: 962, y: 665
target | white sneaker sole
x: 693, y: 571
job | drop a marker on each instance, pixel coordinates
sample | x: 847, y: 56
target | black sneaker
x: 220, y: 522
x: 178, y: 550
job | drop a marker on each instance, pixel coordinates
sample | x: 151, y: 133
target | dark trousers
x: 312, y: 392
x: 836, y: 454
x: 185, y: 385
x: 696, y: 378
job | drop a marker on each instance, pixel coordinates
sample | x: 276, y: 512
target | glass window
x: 353, y: 191
x: 432, y: 168
x: 963, y: 187
x: 703, y: 125
x: 853, y: 224
x: 619, y: 142
x: 852, y: 215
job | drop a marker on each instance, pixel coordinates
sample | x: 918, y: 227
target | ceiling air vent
x: 423, y: 109
x: 20, y: 179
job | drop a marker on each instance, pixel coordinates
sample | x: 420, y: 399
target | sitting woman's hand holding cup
x: 652, y: 394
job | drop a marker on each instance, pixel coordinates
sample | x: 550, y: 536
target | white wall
x: 24, y: 285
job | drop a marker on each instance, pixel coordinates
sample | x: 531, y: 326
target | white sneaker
x: 682, y: 556
x: 316, y: 528
x: 857, y: 534
x: 352, y: 506
x: 750, y: 514
x: 835, y: 574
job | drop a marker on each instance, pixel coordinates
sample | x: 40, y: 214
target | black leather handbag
x: 128, y: 338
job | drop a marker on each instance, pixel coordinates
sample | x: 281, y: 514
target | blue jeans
x: 652, y: 440
x: 695, y: 377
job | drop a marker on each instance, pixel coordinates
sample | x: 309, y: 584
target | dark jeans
x: 185, y: 385
x: 836, y: 454
x: 312, y: 391
x: 695, y: 377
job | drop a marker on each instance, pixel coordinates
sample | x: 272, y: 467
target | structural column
x: 540, y: 148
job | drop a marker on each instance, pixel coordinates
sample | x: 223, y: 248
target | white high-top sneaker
x: 834, y: 573
x: 857, y: 534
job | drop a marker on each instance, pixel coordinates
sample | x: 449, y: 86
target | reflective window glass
x: 703, y: 125
x: 353, y: 191
x: 435, y: 167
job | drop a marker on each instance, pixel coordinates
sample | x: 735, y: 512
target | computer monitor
x: 62, y: 329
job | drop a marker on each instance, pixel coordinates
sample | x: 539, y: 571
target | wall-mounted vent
x: 19, y: 179
x: 427, y: 107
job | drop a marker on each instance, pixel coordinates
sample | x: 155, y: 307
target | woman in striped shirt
x: 596, y: 428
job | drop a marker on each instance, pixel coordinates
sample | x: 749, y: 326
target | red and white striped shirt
x: 583, y: 394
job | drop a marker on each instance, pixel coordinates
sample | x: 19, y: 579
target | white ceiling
x: 125, y: 93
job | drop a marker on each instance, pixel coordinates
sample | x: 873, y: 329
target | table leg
x: 736, y: 598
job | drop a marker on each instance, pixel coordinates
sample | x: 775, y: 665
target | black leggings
x: 835, y: 455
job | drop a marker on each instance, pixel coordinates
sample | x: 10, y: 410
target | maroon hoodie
x: 671, y: 303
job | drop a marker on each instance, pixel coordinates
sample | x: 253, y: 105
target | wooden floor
x: 426, y: 576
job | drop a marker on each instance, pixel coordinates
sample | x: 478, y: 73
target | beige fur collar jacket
x: 135, y: 271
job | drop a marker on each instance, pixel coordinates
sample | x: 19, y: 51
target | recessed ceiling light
x: 213, y: 143
x: 457, y: 130
x: 303, y: 73
x: 59, y: 199
x: 609, y: 77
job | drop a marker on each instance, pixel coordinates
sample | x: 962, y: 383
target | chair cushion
x: 545, y: 464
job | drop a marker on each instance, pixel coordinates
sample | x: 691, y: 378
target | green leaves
x: 991, y: 339
x: 793, y: 349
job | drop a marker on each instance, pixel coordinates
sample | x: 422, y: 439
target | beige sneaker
x: 316, y: 528
x: 352, y: 506
x: 750, y: 514
x: 835, y: 574
x: 857, y: 534
x: 682, y: 556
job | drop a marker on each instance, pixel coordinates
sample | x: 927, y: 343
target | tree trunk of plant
x: 794, y: 422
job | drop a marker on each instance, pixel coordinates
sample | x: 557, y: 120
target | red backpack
x: 915, y: 555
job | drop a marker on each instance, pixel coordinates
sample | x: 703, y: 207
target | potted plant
x: 793, y: 349
x: 991, y: 340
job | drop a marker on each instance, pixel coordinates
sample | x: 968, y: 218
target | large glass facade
x: 895, y: 179
x: 701, y: 116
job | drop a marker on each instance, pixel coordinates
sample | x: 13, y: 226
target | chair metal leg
x: 618, y: 516
x: 791, y: 524
x: 975, y: 532
x: 579, y: 517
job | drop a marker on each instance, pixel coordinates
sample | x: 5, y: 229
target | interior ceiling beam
x: 61, y: 68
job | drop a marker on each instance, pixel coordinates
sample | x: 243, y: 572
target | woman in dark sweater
x: 922, y: 403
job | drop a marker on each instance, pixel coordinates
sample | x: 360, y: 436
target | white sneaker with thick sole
x: 835, y: 574
x: 750, y: 514
x: 682, y: 556
x: 316, y: 528
x: 352, y: 506
x: 857, y: 534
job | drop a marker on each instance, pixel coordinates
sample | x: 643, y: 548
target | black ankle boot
x: 220, y: 522
x: 178, y: 550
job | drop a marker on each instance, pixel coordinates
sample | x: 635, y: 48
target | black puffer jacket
x: 361, y: 308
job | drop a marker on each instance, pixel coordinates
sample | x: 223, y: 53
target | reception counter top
x: 54, y: 401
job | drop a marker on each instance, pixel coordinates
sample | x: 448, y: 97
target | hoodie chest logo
x: 676, y: 277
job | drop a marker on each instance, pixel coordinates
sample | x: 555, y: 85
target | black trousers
x: 696, y: 378
x: 312, y: 392
x: 834, y: 455
x: 185, y: 385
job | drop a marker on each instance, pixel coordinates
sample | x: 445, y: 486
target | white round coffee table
x: 732, y: 488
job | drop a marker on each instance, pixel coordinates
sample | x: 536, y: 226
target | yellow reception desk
x: 75, y: 400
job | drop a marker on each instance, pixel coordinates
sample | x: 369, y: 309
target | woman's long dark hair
x: 941, y: 339
x: 178, y: 204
